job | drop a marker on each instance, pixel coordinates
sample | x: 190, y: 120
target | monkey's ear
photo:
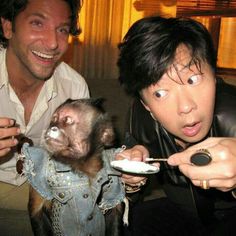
x: 108, y: 136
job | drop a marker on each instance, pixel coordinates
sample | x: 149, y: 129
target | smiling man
x: 34, y: 81
x: 180, y: 108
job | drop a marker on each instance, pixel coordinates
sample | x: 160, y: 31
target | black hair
x: 149, y: 47
x: 9, y: 9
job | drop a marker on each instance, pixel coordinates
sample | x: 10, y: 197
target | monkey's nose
x: 53, y: 132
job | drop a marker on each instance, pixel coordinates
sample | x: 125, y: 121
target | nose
x: 185, y: 102
x: 53, y: 132
x: 51, y: 40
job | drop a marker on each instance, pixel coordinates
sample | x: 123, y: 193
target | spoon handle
x: 155, y: 159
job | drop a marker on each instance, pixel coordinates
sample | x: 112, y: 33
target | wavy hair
x: 9, y: 9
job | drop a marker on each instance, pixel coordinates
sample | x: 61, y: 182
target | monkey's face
x: 69, y: 130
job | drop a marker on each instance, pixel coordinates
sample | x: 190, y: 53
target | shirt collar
x: 3, y: 68
x: 51, y: 85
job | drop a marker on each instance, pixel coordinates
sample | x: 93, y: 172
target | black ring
x: 202, y: 157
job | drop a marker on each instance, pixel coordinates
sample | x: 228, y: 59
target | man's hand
x: 137, y: 153
x: 220, y: 173
x: 7, y: 135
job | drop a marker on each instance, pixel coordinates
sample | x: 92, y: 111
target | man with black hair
x: 180, y: 109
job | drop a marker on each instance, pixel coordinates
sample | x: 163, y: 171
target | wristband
x: 134, y: 187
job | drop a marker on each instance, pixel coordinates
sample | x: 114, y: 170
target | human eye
x: 64, y: 30
x: 194, y: 79
x: 36, y: 23
x: 160, y: 93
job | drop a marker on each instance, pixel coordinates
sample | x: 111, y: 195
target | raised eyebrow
x: 64, y: 24
x: 38, y: 15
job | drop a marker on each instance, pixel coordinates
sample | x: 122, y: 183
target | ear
x: 7, y: 27
x: 146, y: 107
x: 108, y: 136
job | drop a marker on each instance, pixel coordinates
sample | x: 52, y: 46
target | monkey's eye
x: 68, y: 120
x: 54, y: 119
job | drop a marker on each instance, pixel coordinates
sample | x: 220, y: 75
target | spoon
x: 155, y: 159
x: 200, y: 158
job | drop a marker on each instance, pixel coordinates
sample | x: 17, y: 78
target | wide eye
x: 68, y: 120
x: 194, y: 79
x: 54, y: 118
x: 160, y: 93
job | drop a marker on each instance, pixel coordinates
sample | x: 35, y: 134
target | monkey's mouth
x: 55, y: 137
x: 58, y: 146
x: 55, y: 142
x: 53, y: 133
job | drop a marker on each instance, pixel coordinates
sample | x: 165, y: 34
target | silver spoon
x: 155, y: 159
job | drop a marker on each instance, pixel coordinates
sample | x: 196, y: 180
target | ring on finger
x: 204, y: 184
x: 201, y: 157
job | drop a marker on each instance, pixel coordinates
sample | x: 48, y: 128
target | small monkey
x: 74, y: 189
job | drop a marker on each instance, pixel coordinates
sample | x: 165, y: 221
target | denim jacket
x: 75, y: 210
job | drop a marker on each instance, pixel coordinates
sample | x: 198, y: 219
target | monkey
x: 74, y: 190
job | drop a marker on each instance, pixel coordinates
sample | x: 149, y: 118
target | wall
x: 116, y: 101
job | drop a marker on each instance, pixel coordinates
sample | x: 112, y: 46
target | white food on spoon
x: 134, y: 166
x: 54, y: 133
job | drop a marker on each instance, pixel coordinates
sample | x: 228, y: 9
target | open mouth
x: 43, y: 56
x: 191, y: 130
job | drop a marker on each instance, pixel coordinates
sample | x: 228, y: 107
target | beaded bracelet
x: 134, y: 187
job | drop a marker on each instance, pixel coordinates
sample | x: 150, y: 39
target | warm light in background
x: 130, y: 16
x: 204, y: 20
x: 82, y: 21
x: 104, y: 23
x: 227, y: 49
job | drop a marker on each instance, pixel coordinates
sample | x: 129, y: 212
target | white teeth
x: 46, y: 56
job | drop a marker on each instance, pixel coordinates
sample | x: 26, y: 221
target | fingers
x: 6, y: 145
x: 222, y: 185
x: 180, y: 158
x: 4, y: 151
x: 212, y: 145
x: 7, y: 135
x: 8, y: 128
x: 6, y: 122
x: 220, y: 173
x: 217, y: 169
x: 9, y: 132
x: 221, y: 176
x: 137, y: 153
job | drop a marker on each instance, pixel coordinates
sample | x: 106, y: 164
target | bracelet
x: 134, y: 187
x: 233, y: 192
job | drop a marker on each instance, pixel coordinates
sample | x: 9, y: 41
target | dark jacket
x: 160, y: 143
